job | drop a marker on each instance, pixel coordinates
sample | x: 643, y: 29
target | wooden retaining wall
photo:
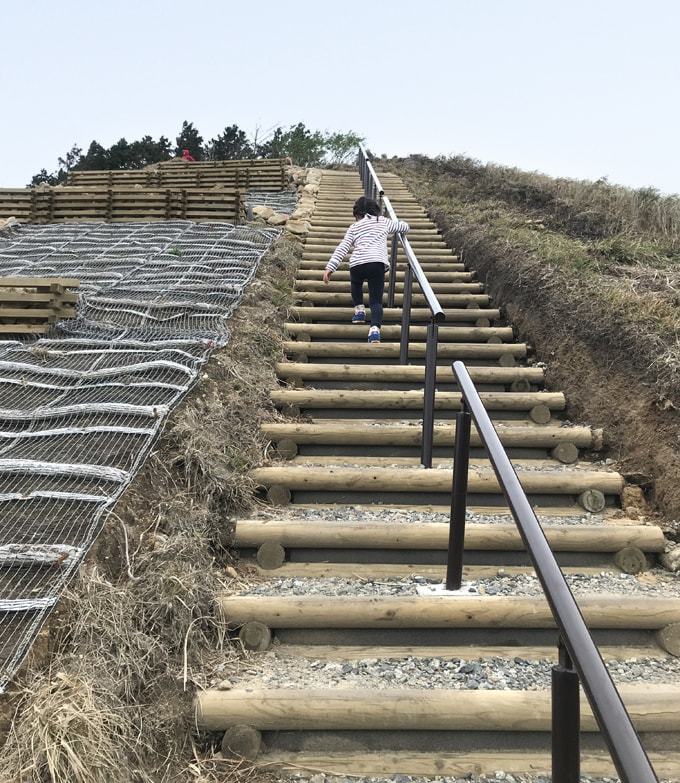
x: 117, y: 204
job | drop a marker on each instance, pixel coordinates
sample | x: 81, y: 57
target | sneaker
x: 374, y: 335
x: 359, y: 317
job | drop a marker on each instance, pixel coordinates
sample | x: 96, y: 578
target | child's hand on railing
x: 327, y: 276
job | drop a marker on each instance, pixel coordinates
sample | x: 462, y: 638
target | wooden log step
x: 344, y: 299
x: 384, y: 432
x: 432, y: 254
x: 602, y: 611
x: 373, y: 571
x: 403, y: 373
x: 428, y: 266
x: 453, y: 764
x: 342, y: 652
x: 304, y: 284
x: 651, y: 707
x: 481, y: 351
x: 335, y: 235
x: 343, y: 223
x: 366, y: 479
x: 411, y: 400
x: 24, y: 328
x: 352, y: 460
x: 457, y: 334
x: 470, y: 314
x: 344, y: 276
x: 329, y: 534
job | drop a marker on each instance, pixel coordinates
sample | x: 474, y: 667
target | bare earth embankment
x: 590, y: 275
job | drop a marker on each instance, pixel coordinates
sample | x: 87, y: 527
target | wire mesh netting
x: 81, y: 407
x: 279, y: 200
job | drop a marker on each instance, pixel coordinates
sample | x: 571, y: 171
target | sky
x: 577, y: 89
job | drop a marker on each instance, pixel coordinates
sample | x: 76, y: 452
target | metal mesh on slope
x: 81, y: 407
x: 279, y: 200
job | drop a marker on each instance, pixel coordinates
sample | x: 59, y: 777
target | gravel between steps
x: 408, y: 516
x: 655, y: 583
x: 498, y: 777
x: 272, y: 670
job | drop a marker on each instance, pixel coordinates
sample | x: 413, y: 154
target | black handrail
x: 374, y: 189
x: 576, y: 643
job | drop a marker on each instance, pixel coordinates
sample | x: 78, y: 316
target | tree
x: 231, y: 144
x: 71, y: 160
x: 304, y: 147
x: 189, y: 139
x: 43, y: 178
x: 341, y: 148
x: 96, y: 158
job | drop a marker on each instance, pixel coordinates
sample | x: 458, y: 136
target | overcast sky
x: 579, y: 88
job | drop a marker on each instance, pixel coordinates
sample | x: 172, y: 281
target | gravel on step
x: 496, y: 777
x: 655, y: 582
x: 409, y: 516
x: 272, y: 670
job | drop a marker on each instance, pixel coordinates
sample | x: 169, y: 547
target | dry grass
x: 139, y: 632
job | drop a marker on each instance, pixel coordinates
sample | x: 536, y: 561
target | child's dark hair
x: 365, y: 206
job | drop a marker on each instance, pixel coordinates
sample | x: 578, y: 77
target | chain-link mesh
x: 279, y: 200
x: 81, y: 407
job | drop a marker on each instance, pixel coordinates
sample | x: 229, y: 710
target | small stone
x: 224, y: 685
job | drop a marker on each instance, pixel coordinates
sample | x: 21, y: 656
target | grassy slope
x: 590, y: 273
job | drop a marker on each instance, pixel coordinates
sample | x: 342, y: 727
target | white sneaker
x: 374, y: 335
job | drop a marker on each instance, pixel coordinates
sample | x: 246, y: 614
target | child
x: 369, y: 262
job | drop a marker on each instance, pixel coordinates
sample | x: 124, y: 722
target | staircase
x: 364, y: 666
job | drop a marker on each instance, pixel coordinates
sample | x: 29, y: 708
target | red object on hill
x: 186, y: 155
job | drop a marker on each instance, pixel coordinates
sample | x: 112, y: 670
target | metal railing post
x: 427, y: 438
x: 392, y: 285
x: 566, y: 720
x: 461, y: 459
x: 405, y: 315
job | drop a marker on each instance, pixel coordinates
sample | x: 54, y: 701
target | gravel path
x: 655, y: 582
x: 408, y: 516
x: 492, y: 673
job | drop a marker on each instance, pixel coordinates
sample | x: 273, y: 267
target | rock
x: 263, y: 212
x: 277, y: 219
x: 311, y: 187
x: 230, y: 571
x: 670, y: 559
x: 224, y: 685
x: 8, y: 223
x: 298, y: 227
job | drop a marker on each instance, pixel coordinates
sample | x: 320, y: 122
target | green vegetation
x: 302, y: 145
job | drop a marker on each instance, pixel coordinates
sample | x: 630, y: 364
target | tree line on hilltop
x: 302, y: 145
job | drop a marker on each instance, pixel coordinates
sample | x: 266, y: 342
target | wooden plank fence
x: 116, y: 204
x: 30, y: 305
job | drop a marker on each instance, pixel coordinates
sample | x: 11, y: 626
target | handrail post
x: 406, y: 315
x: 461, y: 459
x: 427, y: 437
x: 566, y: 720
x: 392, y: 285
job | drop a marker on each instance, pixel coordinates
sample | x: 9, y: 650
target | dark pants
x: 374, y: 275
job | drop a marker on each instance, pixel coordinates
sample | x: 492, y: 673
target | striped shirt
x: 368, y: 240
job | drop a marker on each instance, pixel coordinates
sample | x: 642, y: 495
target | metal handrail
x: 576, y: 643
x: 374, y: 189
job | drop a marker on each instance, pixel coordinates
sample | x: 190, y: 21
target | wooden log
x: 631, y: 560
x: 450, y: 764
x: 255, y: 636
x: 385, y: 399
x: 592, y: 500
x: 270, y: 555
x: 241, y: 742
x: 382, y: 432
x: 278, y: 495
x: 566, y: 453
x: 540, y: 414
x: 403, y: 373
x: 668, y: 638
x: 416, y: 350
x: 652, y: 708
x: 462, y: 334
x: 340, y: 286
x: 252, y: 533
x: 287, y: 448
x: 345, y: 299
x: 363, y: 479
x: 391, y: 314
x: 600, y: 611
